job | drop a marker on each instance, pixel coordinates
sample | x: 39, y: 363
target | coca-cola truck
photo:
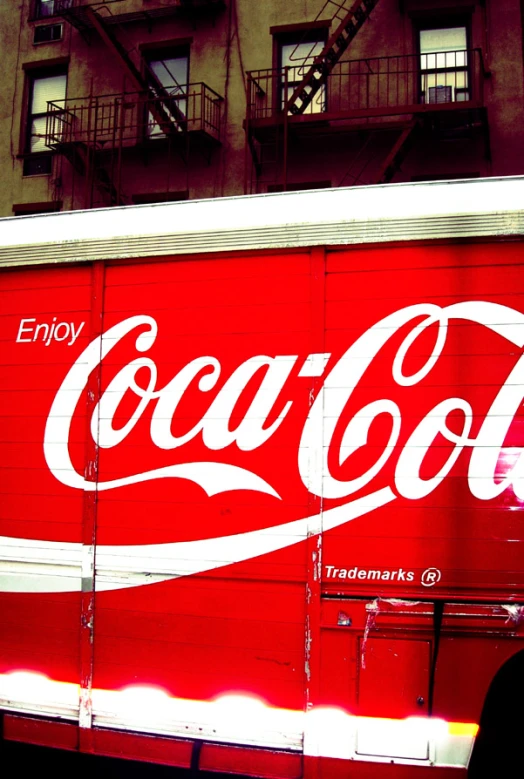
x: 262, y: 482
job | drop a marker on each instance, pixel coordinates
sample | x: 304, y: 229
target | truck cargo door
x: 393, y: 678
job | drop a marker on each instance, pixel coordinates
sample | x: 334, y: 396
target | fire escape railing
x: 107, y: 121
x: 400, y: 84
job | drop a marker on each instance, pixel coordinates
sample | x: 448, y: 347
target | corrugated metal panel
x: 362, y: 215
x: 286, y: 236
x: 327, y: 206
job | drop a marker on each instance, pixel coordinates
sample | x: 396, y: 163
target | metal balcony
x: 364, y: 90
x: 108, y: 122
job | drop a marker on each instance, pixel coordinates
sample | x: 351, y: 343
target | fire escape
x: 385, y: 104
x: 92, y: 133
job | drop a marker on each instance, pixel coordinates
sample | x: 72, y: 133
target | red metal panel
x: 250, y: 762
x: 338, y: 671
x: 395, y: 672
x: 40, y: 732
x: 467, y: 665
x: 249, y: 623
x: 240, y: 632
x: 40, y: 631
x: 447, y: 529
x: 152, y: 749
x: 130, y: 746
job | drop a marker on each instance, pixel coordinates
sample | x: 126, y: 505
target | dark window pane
x: 38, y: 165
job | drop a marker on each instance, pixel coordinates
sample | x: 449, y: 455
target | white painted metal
x: 238, y: 719
x: 391, y: 212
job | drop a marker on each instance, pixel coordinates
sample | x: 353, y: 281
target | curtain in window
x: 47, y: 88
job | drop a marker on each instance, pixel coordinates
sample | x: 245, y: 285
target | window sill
x: 43, y: 19
x: 46, y: 43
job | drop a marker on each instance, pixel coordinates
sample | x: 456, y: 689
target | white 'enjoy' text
x: 30, y: 330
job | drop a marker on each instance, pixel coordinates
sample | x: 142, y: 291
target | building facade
x: 136, y: 101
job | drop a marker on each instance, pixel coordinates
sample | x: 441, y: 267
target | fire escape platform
x: 363, y: 118
x: 195, y: 138
x: 130, y: 120
x: 398, y: 100
x: 361, y: 93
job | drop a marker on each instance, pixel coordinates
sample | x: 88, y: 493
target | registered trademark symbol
x: 430, y: 577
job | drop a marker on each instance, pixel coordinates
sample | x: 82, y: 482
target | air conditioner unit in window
x: 440, y: 94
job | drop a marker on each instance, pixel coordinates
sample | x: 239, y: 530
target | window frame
x: 158, y: 53
x: 36, y: 16
x: 295, y: 35
x: 443, y: 23
x: 45, y: 157
x: 53, y: 25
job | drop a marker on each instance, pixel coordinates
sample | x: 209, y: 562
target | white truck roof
x: 353, y: 215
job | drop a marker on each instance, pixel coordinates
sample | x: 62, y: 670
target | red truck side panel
x: 297, y: 478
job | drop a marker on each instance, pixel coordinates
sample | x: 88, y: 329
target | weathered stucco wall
x: 224, y: 45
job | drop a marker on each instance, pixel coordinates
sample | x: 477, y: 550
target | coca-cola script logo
x: 315, y: 452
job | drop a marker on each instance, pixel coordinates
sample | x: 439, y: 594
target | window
x: 44, y: 8
x: 47, y: 33
x: 43, y: 88
x: 444, y: 65
x: 171, y: 72
x: 297, y: 53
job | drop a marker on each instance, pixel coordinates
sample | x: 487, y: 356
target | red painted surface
x: 153, y: 749
x: 40, y: 732
x: 251, y: 762
x: 213, y: 757
x: 249, y: 627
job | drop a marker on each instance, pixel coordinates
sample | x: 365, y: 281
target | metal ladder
x: 350, y: 21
